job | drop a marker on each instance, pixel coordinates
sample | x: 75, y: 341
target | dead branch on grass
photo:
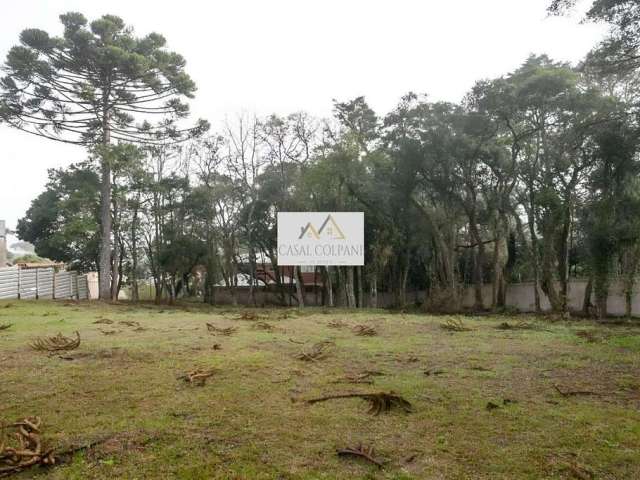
x: 516, y: 326
x: 365, y: 331
x: 316, y: 352
x: 378, y: 402
x: 336, y: 324
x: 5, y: 326
x: 27, y: 450
x: 129, y: 323
x: 249, y: 315
x: 197, y: 377
x: 221, y: 331
x: 361, y: 451
x: 454, y: 325
x: 104, y: 321
x: 573, y: 393
x: 56, y: 344
x: 263, y: 326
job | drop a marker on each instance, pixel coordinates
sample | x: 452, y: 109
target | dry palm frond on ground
x: 26, y: 450
x: 104, y: 321
x: 221, y: 331
x: 197, y: 377
x: 249, y: 315
x: 454, y: 325
x: 365, y: 331
x: 5, y: 326
x: 263, y: 326
x: 516, y: 326
x: 378, y: 402
x: 57, y: 343
x: 360, y: 451
x: 315, y: 352
x: 336, y: 324
x: 129, y: 323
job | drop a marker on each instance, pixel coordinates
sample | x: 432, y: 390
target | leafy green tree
x: 95, y: 85
x: 610, y: 215
x: 62, y: 222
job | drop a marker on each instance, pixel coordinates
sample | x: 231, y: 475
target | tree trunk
x: 563, y: 261
x: 105, y: 208
x: 299, y: 286
x: 359, y: 278
x: 373, y: 291
x: 586, y: 302
x: 135, y: 294
x: 329, y: 282
x: 349, y: 290
x: 115, y: 263
x: 478, y: 259
x: 105, y: 240
x: 601, y: 285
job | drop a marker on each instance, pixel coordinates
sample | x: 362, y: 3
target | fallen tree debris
x: 433, y: 371
x: 249, y: 315
x: 28, y: 449
x: 197, y: 377
x: 55, y: 344
x: 378, y: 402
x: 108, y: 332
x: 454, y: 325
x: 315, y: 352
x: 361, y: 451
x: 263, y: 326
x: 573, y: 393
x: 5, y: 326
x: 104, y: 321
x: 336, y: 324
x: 129, y: 323
x: 515, y: 326
x: 221, y: 331
x: 365, y: 331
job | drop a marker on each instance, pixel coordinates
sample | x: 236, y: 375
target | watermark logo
x: 329, y: 228
x: 320, y: 238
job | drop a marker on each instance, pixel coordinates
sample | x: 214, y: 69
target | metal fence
x: 42, y: 283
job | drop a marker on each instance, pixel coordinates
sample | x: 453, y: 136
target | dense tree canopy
x: 533, y: 176
x: 97, y: 85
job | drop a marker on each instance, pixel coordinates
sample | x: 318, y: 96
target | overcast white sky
x: 280, y: 56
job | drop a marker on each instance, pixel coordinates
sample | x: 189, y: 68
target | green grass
x: 250, y: 420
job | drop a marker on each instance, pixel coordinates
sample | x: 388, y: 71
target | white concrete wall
x: 520, y: 296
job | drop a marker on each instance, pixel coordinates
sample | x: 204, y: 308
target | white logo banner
x: 320, y: 238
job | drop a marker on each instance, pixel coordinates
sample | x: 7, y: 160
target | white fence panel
x: 9, y: 283
x: 45, y: 283
x: 83, y: 288
x: 28, y: 284
x: 62, y: 285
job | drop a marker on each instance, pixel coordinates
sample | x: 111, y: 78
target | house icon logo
x: 329, y: 230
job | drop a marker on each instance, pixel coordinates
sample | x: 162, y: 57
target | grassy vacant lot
x: 250, y: 419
